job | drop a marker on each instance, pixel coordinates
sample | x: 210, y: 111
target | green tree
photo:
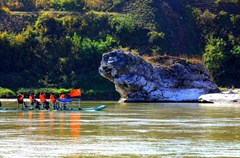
x: 214, y: 55
x: 48, y: 25
x: 123, y: 24
x: 68, y: 5
x: 236, y: 51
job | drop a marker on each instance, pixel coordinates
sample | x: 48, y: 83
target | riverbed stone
x: 229, y: 96
x: 161, y: 78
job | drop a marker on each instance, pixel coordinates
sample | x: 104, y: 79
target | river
x: 124, y: 130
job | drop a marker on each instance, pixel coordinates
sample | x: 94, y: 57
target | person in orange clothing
x: 43, y: 101
x: 32, y: 99
x: 53, y: 100
x: 62, y: 97
x: 20, y: 99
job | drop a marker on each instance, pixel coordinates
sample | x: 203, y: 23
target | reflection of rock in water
x: 164, y: 79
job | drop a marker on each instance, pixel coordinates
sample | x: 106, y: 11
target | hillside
x: 168, y: 18
x: 59, y: 43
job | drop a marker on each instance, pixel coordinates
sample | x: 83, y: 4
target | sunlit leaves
x: 123, y: 23
x: 214, y: 54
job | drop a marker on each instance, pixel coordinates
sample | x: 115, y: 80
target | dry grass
x: 133, y: 51
x: 5, y: 9
x: 167, y: 60
x: 192, y: 59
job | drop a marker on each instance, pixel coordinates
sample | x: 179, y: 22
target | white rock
x: 173, y: 79
x: 220, y: 98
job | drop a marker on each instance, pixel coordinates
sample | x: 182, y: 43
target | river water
x: 124, y: 130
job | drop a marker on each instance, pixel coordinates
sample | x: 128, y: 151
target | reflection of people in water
x: 42, y: 123
x: 60, y: 124
x: 75, y: 126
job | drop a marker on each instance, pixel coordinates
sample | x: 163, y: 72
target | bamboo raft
x: 92, y: 109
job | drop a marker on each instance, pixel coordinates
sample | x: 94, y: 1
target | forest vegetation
x: 59, y: 43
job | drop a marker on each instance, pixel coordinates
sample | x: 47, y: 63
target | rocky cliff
x: 162, y: 78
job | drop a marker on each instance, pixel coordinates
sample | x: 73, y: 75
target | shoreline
x: 15, y: 99
x: 118, y: 101
x: 27, y: 100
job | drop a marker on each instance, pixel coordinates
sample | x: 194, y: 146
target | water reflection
x: 75, y: 124
x: 42, y: 127
x: 52, y: 123
x: 124, y: 130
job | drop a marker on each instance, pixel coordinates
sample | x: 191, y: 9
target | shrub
x: 124, y: 23
x: 47, y: 91
x: 155, y: 36
x: 69, y: 4
x: 214, y: 54
x: 6, y: 93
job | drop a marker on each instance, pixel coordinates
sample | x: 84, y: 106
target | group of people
x: 42, y: 103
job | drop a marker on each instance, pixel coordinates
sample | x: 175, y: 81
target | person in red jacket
x: 63, y: 104
x: 53, y: 101
x: 20, y: 99
x: 62, y: 96
x: 43, y: 101
x: 32, y: 99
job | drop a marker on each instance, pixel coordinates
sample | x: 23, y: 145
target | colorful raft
x: 98, y: 108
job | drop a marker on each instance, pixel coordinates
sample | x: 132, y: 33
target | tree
x: 123, y: 24
x: 214, y: 55
x: 70, y: 5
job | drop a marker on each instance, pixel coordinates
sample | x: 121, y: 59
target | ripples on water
x: 130, y: 130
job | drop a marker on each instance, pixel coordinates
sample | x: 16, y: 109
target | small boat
x: 97, y: 108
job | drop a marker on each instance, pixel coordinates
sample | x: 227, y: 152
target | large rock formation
x: 161, y: 78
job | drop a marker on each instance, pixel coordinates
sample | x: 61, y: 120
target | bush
x: 236, y: 51
x: 123, y: 23
x: 214, y: 54
x: 155, y: 36
x: 70, y: 5
x: 6, y: 93
x: 47, y: 91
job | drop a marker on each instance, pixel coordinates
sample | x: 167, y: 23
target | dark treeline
x: 59, y: 43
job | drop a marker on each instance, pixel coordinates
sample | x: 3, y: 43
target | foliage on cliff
x: 59, y: 43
